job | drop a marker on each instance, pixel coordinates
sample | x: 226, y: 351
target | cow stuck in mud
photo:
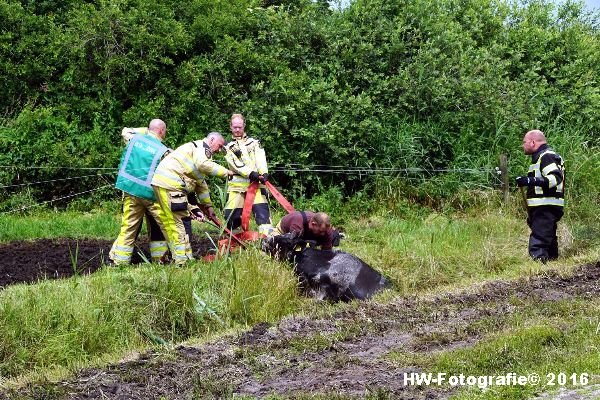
x: 326, y: 274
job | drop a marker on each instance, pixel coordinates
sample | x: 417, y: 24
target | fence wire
x: 23, y: 208
x: 408, y: 174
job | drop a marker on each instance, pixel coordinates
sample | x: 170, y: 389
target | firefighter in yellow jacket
x: 181, y: 173
x: 139, y: 159
x: 246, y: 158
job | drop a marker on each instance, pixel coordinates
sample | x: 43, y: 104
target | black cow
x: 326, y: 274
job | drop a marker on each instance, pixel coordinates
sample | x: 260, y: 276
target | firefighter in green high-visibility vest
x: 545, y: 182
x: 139, y: 160
x: 246, y: 158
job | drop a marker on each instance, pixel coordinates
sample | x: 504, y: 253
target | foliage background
x: 431, y: 84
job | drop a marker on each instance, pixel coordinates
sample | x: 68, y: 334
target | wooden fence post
x: 504, y: 177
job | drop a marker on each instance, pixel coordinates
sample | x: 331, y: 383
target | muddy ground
x: 31, y: 261
x: 349, y: 354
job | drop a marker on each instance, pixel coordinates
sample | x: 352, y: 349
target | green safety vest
x: 138, y: 162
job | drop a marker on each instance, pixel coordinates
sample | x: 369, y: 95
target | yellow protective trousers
x: 134, y: 210
x: 173, y: 215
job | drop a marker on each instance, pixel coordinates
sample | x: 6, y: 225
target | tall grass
x: 426, y: 249
x: 71, y: 322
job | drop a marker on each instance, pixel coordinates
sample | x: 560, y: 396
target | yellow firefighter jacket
x: 245, y: 155
x: 185, y: 170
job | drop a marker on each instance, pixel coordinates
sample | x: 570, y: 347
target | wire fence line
x: 54, y: 180
x: 275, y: 168
x: 23, y: 208
x: 383, y: 170
x: 303, y: 168
x: 323, y: 169
x: 17, y: 167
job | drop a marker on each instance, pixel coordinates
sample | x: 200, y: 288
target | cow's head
x: 281, y: 247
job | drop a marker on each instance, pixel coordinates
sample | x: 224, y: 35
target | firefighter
x: 139, y: 159
x: 310, y: 226
x: 182, y: 173
x: 545, y: 195
x: 246, y: 158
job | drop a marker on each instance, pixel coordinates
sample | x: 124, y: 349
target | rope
x: 53, y: 180
x: 53, y: 200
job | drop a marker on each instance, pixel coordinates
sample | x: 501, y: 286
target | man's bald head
x: 533, y: 140
x: 237, y: 125
x: 536, y: 135
x: 322, y: 218
x: 159, y: 127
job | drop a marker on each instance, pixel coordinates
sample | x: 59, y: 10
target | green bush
x: 403, y: 84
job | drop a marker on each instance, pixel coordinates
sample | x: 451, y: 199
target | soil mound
x: 34, y: 260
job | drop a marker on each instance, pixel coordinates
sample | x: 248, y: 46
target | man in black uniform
x: 545, y: 195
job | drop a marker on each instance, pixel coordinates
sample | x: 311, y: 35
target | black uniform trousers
x: 543, y: 243
x: 261, y: 212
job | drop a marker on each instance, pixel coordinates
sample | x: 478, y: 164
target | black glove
x: 337, y: 236
x: 528, y: 181
x: 192, y: 199
x: 253, y: 176
x: 264, y: 178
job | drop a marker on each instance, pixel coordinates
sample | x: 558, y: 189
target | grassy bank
x: 50, y: 224
x: 555, y: 340
x: 87, y: 319
x: 69, y: 323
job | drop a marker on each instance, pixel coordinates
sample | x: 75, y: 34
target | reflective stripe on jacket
x: 245, y: 155
x: 549, y: 167
x: 185, y: 169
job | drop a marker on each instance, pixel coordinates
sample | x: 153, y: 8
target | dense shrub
x: 389, y: 83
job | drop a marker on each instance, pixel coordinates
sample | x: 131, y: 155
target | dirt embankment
x: 345, y: 355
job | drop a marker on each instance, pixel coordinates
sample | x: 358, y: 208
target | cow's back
x: 342, y: 276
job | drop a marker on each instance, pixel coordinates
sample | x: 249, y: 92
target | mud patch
x: 31, y: 261
x: 591, y: 392
x: 346, y: 354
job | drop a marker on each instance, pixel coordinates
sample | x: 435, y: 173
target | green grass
x: 69, y: 323
x: 546, y: 338
x: 444, y: 250
x: 86, y: 320
x: 51, y: 224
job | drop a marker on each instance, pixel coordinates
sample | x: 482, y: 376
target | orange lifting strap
x: 249, y: 201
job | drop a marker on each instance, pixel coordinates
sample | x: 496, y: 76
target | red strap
x: 227, y: 231
x: 284, y: 203
x: 250, y: 195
